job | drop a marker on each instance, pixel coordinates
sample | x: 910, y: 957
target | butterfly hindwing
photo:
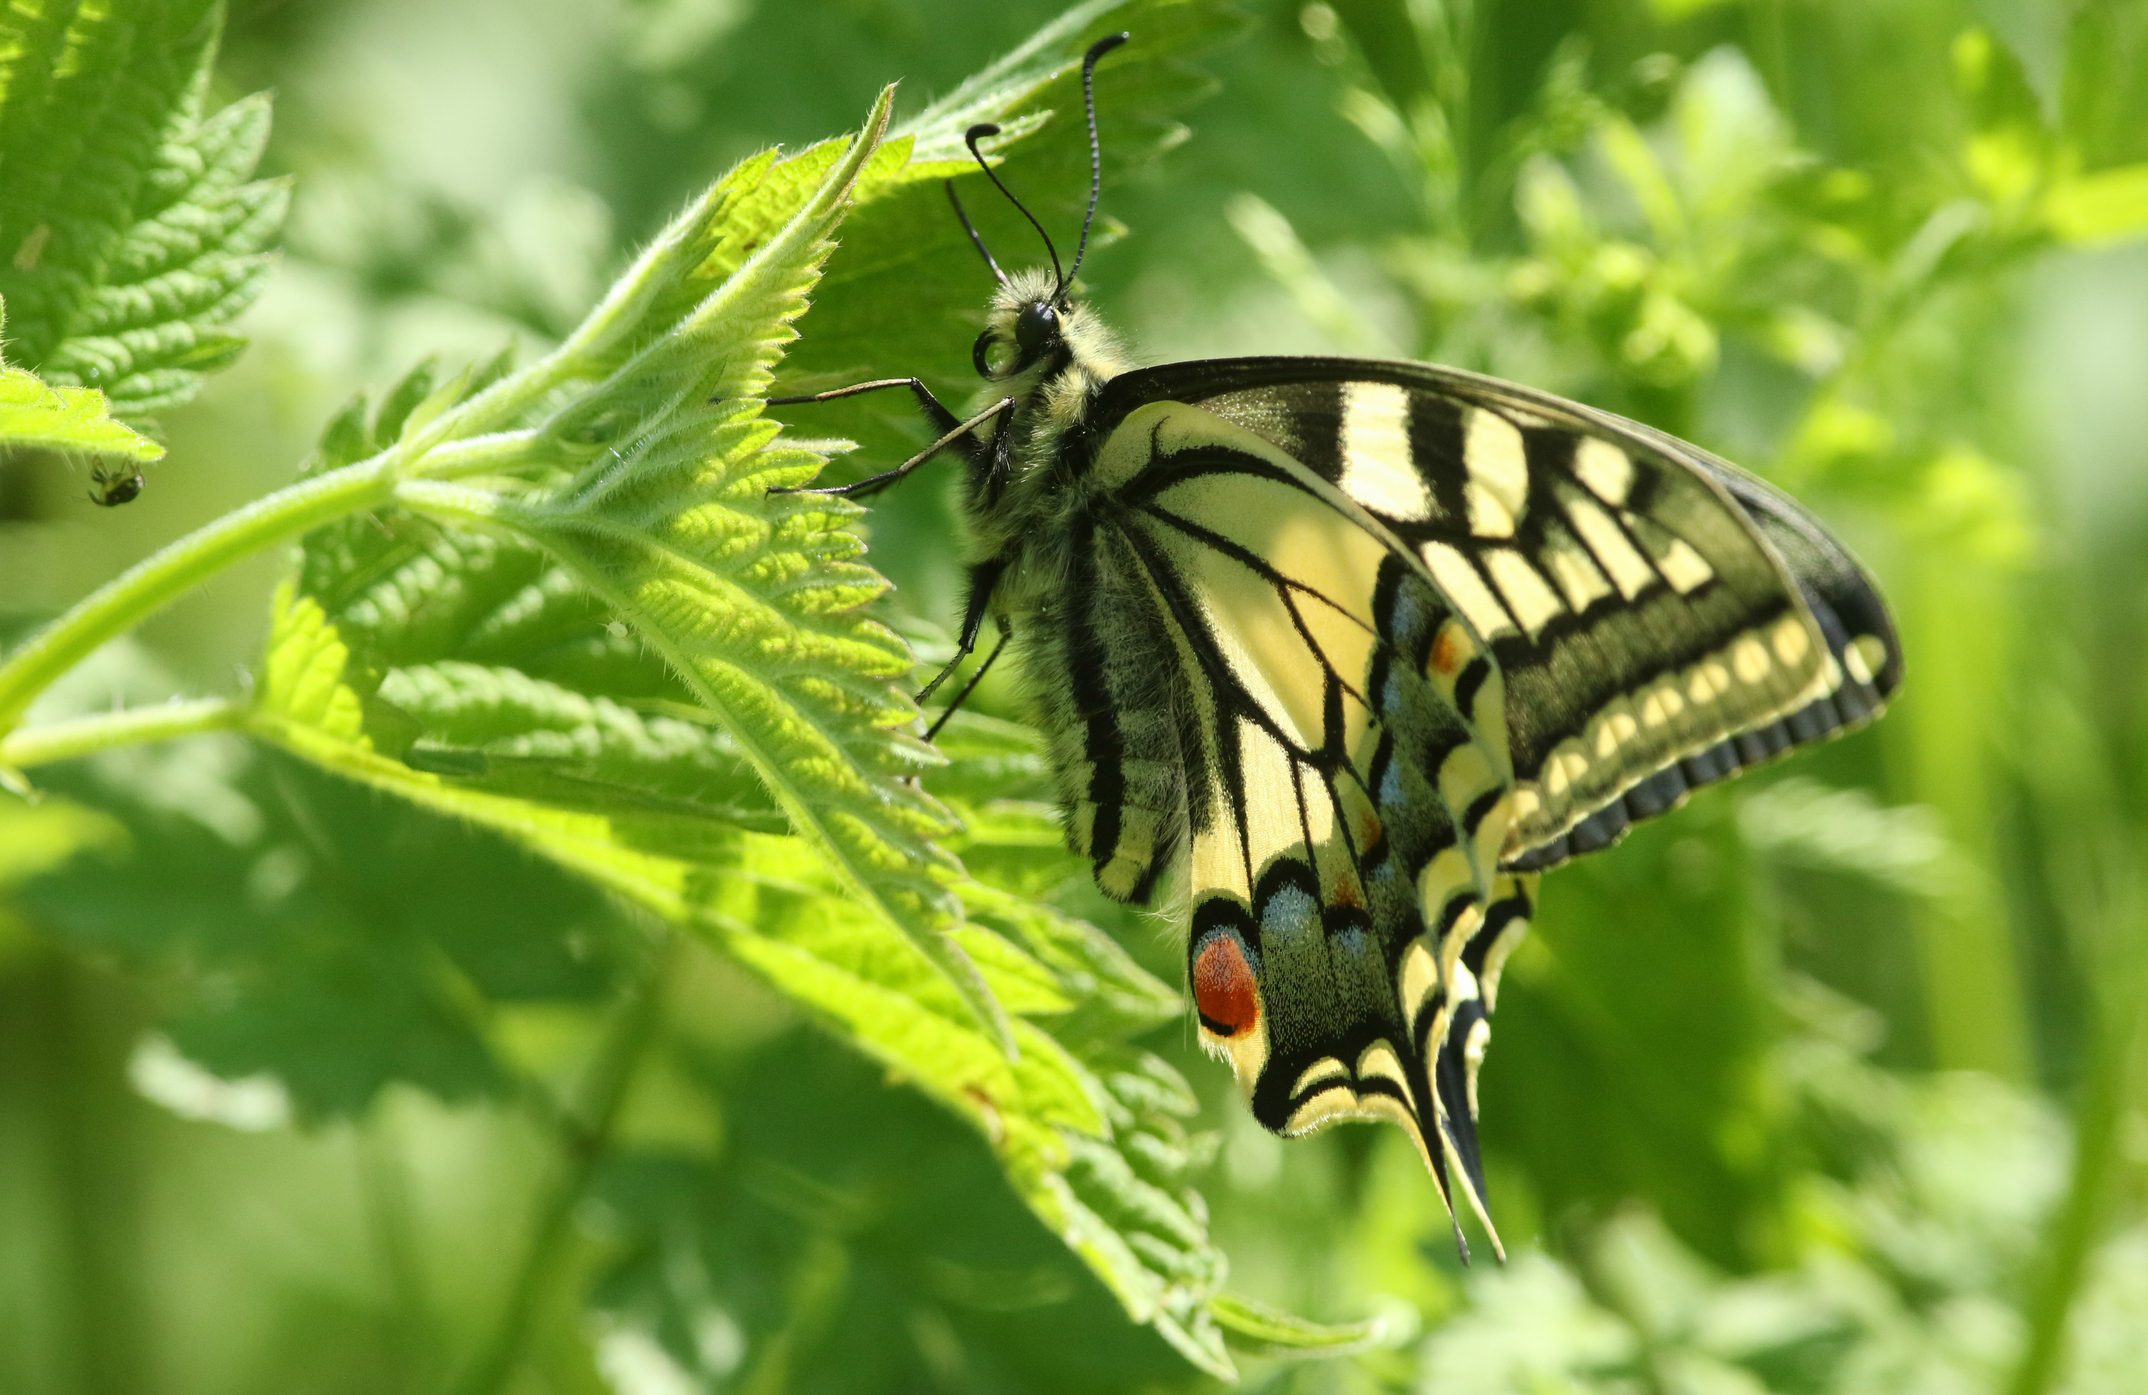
x: 1347, y: 789
x: 1114, y: 719
x: 1662, y: 620
x: 1863, y: 671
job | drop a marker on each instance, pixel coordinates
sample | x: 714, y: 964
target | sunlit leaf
x: 622, y: 651
x: 36, y: 414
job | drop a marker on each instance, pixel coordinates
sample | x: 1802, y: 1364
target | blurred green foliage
x: 1832, y: 1083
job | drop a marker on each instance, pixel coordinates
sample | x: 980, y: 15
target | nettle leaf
x: 586, y: 623
x: 906, y: 292
x: 780, y: 1256
x: 1024, y: 880
x: 752, y: 600
x: 130, y: 227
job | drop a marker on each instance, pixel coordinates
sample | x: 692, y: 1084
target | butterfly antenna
x: 1096, y: 147
x: 976, y: 238
x: 970, y: 138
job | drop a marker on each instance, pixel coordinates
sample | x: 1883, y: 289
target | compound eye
x: 1036, y: 328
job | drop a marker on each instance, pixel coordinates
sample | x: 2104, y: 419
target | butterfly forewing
x: 1661, y: 619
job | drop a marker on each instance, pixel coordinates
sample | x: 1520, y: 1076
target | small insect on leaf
x: 112, y: 487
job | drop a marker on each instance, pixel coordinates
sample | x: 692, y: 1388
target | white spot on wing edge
x: 1749, y: 660
x: 1791, y: 642
x: 1864, y: 657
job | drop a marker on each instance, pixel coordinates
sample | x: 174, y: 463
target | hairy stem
x: 85, y: 736
x: 150, y: 585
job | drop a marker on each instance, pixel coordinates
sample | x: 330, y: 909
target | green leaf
x: 35, y: 414
x: 751, y: 599
x: 297, y: 927
x: 131, y: 230
x: 906, y: 291
x: 841, y: 1238
x: 594, y: 629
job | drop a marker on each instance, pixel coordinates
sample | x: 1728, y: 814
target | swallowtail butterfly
x: 1370, y: 646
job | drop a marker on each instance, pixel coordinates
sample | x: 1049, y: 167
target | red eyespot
x: 1224, y: 989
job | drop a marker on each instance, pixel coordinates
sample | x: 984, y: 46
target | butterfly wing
x: 1380, y: 641
x: 1247, y: 660
x: 1662, y: 619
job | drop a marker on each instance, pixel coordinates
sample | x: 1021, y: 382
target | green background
x: 1830, y: 1083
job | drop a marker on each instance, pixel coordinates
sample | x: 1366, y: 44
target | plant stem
x: 85, y: 736
x: 150, y: 585
x: 385, y: 1189
x: 2119, y: 1061
x: 585, y: 1138
x: 478, y: 455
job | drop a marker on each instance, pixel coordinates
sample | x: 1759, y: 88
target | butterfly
x: 1366, y: 647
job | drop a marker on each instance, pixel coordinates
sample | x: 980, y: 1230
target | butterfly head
x: 1034, y: 335
x: 1032, y: 320
x: 1027, y: 325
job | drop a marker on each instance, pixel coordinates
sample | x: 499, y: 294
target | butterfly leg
x: 935, y: 412
x: 962, y: 694
x: 873, y: 484
x: 983, y: 577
